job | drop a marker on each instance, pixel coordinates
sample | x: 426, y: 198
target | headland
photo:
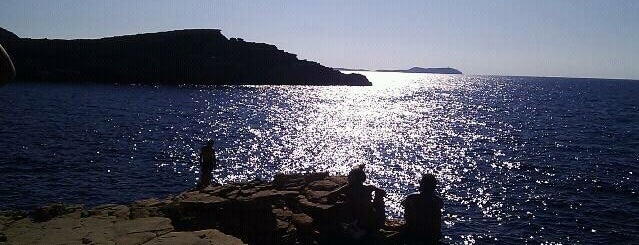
x: 195, y: 56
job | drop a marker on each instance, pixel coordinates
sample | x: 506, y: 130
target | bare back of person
x: 423, y: 216
x: 359, y: 199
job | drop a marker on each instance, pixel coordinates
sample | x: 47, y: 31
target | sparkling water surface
x: 519, y: 159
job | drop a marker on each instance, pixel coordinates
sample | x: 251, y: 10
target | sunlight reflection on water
x: 405, y: 125
x: 518, y: 159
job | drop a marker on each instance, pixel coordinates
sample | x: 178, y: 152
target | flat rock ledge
x: 291, y: 209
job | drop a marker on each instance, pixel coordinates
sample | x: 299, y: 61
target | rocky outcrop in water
x: 292, y: 209
x: 200, y: 56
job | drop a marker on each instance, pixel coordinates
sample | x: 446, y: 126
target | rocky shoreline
x: 291, y: 209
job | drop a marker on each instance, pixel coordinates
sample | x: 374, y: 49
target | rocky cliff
x: 200, y: 56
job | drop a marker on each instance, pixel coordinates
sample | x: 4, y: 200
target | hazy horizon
x: 524, y: 38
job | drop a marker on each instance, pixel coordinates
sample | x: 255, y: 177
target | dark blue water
x: 520, y: 160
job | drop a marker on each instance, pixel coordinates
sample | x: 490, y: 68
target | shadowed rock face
x: 202, y: 56
x: 4, y: 34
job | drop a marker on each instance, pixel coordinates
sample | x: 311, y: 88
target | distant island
x: 349, y: 69
x: 446, y: 70
x: 196, y: 56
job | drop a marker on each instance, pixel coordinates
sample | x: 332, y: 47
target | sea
x: 519, y: 160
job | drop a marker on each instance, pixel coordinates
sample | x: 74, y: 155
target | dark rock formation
x: 4, y: 35
x: 292, y: 209
x: 446, y: 70
x: 200, y: 56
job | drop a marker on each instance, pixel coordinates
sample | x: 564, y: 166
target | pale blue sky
x: 577, y: 38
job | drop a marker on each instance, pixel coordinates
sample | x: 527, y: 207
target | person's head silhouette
x: 357, y: 176
x: 210, y: 143
x: 428, y: 183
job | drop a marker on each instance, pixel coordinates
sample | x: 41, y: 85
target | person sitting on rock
x: 422, y: 212
x: 207, y: 163
x: 366, y: 214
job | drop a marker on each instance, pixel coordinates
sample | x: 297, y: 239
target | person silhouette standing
x: 423, y: 213
x: 207, y: 163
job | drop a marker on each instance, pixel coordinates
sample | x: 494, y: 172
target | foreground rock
x: 104, y: 225
x: 202, y: 56
x: 292, y: 209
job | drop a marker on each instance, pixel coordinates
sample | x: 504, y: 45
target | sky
x: 570, y: 38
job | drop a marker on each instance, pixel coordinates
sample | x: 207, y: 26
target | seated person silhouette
x: 365, y: 214
x: 422, y: 212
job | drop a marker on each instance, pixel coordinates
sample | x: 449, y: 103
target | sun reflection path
x: 400, y: 132
x: 401, y: 127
